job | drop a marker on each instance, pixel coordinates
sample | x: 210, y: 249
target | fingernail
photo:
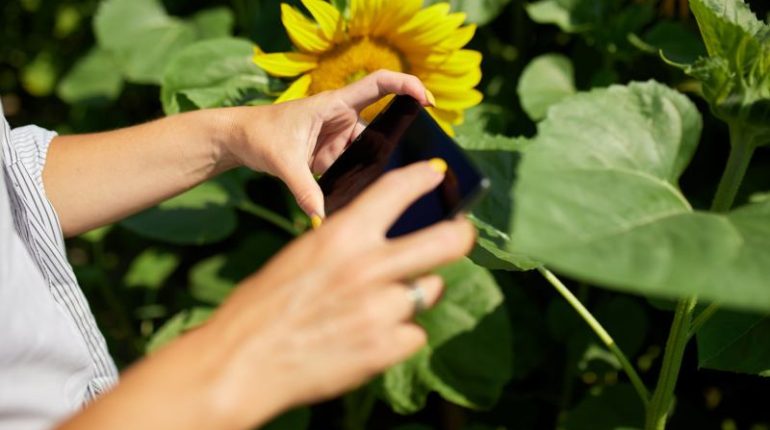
x: 438, y: 164
x: 316, y: 221
x: 431, y: 98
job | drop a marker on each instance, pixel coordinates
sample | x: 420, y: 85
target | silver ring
x: 417, y: 294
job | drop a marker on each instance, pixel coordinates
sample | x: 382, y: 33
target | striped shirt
x: 53, y: 358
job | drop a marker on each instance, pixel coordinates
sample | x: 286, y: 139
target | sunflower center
x: 353, y: 60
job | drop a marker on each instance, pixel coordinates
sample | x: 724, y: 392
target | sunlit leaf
x: 597, y: 198
x: 736, y: 74
x: 95, y: 77
x: 150, y: 269
x: 546, y: 80
x: 212, y: 73
x: 177, y: 325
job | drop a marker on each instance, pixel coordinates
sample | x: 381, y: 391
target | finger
x: 396, y: 303
x: 406, y: 339
x: 377, y: 85
x: 306, y: 190
x: 383, y: 202
x: 358, y: 128
x: 424, y: 250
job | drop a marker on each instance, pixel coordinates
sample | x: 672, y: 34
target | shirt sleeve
x: 30, y: 143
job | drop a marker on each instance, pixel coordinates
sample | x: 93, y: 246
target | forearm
x: 96, y: 179
x: 187, y: 386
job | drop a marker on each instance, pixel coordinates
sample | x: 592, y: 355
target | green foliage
x: 199, y: 216
x: 736, y: 342
x: 142, y: 37
x: 468, y: 357
x: 736, y: 74
x: 545, y: 81
x: 177, y: 325
x: 605, y: 23
x: 151, y: 269
x: 599, y: 200
x: 95, y: 76
x: 212, y: 73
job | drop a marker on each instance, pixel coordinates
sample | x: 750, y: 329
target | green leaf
x: 736, y: 342
x: 142, y: 37
x: 736, y: 75
x: 206, y: 284
x: 212, y: 73
x: 150, y: 269
x: 177, y: 325
x: 546, y: 80
x: 97, y: 234
x: 614, y: 407
x: 94, y: 77
x: 468, y: 358
x: 213, y: 23
x: 498, y: 158
x: 212, y: 279
x: 477, y: 11
x: 597, y: 198
x: 199, y: 216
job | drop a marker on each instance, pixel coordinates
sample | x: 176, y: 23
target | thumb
x: 306, y: 190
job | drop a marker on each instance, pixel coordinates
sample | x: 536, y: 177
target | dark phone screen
x: 402, y: 134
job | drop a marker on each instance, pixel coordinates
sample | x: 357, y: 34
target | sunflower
x: 402, y: 36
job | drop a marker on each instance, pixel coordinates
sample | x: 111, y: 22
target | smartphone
x: 402, y: 134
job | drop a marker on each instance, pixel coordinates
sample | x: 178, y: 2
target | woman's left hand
x: 297, y: 139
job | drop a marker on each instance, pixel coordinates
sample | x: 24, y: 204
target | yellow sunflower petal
x: 444, y: 124
x: 392, y: 14
x: 426, y: 17
x: 454, y: 117
x: 329, y: 19
x: 359, y: 17
x: 284, y: 64
x: 457, y: 100
x: 456, y: 63
x: 297, y: 90
x: 441, y: 82
x: 303, y: 32
x: 458, y: 39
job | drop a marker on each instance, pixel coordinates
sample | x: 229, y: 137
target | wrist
x: 240, y: 392
x: 226, y: 135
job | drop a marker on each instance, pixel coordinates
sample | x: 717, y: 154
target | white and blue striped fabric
x: 53, y: 358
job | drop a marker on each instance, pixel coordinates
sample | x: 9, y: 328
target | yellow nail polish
x: 431, y: 98
x: 316, y: 221
x: 438, y: 164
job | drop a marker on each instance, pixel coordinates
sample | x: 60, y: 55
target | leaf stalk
x: 600, y: 331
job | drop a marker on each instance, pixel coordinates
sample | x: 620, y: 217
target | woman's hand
x: 332, y: 310
x: 327, y: 313
x: 297, y: 139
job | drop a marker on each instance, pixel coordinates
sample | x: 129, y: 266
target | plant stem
x: 660, y: 405
x: 683, y: 327
x: 596, y: 326
x: 269, y: 216
x: 741, y: 150
x: 702, y: 317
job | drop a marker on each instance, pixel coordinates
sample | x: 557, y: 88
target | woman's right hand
x: 326, y: 314
x: 333, y: 309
